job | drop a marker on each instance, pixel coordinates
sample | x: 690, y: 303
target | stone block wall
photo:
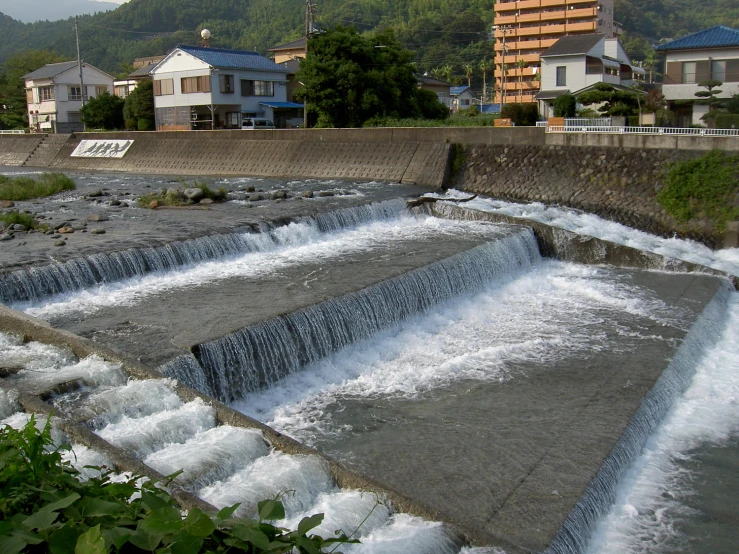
x: 15, y: 149
x: 620, y: 184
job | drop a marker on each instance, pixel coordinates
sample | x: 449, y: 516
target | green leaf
x: 144, y: 540
x: 63, y: 503
x: 307, y: 545
x: 40, y: 520
x: 199, y: 524
x: 153, y: 501
x: 270, y: 510
x: 62, y: 541
x: 97, y: 507
x: 11, y: 545
x: 91, y: 542
x: 227, y: 512
x: 163, y: 521
x: 251, y: 535
x: 185, y: 543
x: 117, y: 536
x: 308, y: 523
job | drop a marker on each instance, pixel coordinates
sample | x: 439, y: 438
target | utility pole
x: 79, y: 62
x: 310, y: 18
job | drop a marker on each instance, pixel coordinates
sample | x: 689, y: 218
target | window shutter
x: 732, y: 71
x: 204, y: 83
x: 702, y: 71
x: 674, y: 73
x: 247, y: 88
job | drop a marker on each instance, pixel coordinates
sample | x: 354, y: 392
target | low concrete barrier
x: 16, y: 149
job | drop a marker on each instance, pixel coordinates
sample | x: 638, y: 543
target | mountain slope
x: 52, y: 10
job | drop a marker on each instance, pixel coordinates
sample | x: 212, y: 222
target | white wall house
x: 461, y: 97
x: 711, y: 54
x: 54, y: 95
x: 202, y: 88
x: 575, y: 63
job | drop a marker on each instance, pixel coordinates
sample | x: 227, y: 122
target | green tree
x: 525, y: 114
x: 484, y: 65
x: 12, y: 86
x: 613, y: 101
x: 138, y: 109
x: 469, y: 70
x: 709, y: 97
x: 732, y: 104
x: 349, y: 78
x: 565, y: 106
x: 103, y: 112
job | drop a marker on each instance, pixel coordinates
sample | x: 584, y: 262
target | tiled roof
x: 456, y: 91
x: 428, y: 80
x: 232, y: 59
x: 50, y: 70
x: 143, y: 71
x: 281, y: 104
x: 573, y: 45
x: 300, y: 43
x: 715, y: 37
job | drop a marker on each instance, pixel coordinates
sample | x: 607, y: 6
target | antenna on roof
x: 205, y: 35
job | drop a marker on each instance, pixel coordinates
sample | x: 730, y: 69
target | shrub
x: 28, y: 188
x: 429, y: 105
x: 726, y: 121
x: 46, y: 507
x: 526, y: 114
x: 702, y: 187
x: 565, y: 106
x: 176, y: 197
x: 103, y: 112
x: 14, y: 218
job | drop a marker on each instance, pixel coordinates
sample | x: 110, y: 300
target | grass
x: 27, y: 188
x: 703, y: 187
x: 176, y: 197
x: 454, y: 120
x: 13, y: 218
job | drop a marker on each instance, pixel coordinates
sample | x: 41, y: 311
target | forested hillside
x: 443, y: 33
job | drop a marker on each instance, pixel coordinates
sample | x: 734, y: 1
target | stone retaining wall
x: 15, y: 149
x: 619, y: 184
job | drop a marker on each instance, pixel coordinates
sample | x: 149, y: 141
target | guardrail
x: 13, y: 132
x: 645, y: 131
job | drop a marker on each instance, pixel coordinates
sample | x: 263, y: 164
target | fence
x: 13, y: 132
x: 645, y: 131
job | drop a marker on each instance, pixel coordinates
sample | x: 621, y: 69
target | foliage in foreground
x: 704, y: 187
x: 176, y: 196
x: 45, y: 507
x: 27, y: 188
x: 15, y: 218
x: 103, y: 112
x: 454, y: 120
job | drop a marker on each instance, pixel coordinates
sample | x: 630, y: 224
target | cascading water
x: 36, y: 283
x: 258, y: 356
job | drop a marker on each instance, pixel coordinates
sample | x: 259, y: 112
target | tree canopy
x: 349, y: 79
x: 138, y: 111
x: 12, y: 86
x: 611, y: 101
x: 103, y: 112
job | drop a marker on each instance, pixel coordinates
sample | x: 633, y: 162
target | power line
x: 165, y: 33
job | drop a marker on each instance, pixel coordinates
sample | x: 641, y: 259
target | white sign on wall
x: 102, y: 148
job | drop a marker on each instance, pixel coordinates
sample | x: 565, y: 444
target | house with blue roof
x: 462, y: 98
x: 709, y: 54
x: 201, y: 88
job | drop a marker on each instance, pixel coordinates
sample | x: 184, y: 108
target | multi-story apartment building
x: 526, y: 28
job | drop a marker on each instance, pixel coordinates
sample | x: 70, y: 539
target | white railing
x: 13, y: 132
x: 645, y: 131
x: 541, y: 123
x: 588, y: 121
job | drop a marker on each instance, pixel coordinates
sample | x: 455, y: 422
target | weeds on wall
x: 25, y: 187
x: 47, y: 507
x: 703, y: 188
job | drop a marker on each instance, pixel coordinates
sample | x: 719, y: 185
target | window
x: 45, y: 93
x: 257, y: 88
x: 29, y: 95
x: 465, y: 101
x: 195, y: 84
x: 121, y: 91
x: 232, y: 120
x: 718, y: 70
x: 74, y: 117
x: 227, y: 83
x: 163, y: 87
x: 689, y: 70
x: 99, y: 91
x: 561, y: 76
x: 74, y: 93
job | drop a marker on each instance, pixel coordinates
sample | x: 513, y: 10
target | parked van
x: 250, y: 123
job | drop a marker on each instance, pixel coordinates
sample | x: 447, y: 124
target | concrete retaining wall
x: 15, y: 149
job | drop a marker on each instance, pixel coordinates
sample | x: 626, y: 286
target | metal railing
x: 588, y: 122
x: 645, y: 131
x: 13, y: 132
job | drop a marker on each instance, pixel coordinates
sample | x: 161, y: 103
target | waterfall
x: 260, y: 355
x: 600, y: 495
x: 35, y: 283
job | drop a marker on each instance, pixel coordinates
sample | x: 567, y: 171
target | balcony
x: 558, y: 15
x: 587, y: 26
x: 529, y: 31
x: 528, y: 17
x: 584, y: 12
x: 505, y: 20
x: 553, y: 29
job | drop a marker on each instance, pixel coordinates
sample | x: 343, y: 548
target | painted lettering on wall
x: 102, y: 148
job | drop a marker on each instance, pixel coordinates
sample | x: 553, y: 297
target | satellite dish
x: 205, y: 34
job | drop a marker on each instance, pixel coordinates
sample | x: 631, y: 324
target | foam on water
x: 547, y: 314
x: 19, y: 420
x: 299, y: 478
x: 33, y: 355
x: 648, y: 508
x: 8, y: 403
x: 148, y: 434
x: 406, y: 534
x: 210, y: 456
x: 591, y: 225
x: 93, y: 370
x: 355, y: 513
x: 81, y: 456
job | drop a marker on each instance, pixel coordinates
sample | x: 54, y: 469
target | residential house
x: 211, y: 88
x: 525, y: 29
x: 142, y: 72
x: 574, y: 64
x: 441, y: 88
x: 709, y: 54
x: 54, y: 95
x: 291, y: 51
x: 462, y: 98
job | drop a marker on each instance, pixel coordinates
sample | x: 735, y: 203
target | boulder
x: 193, y: 193
x: 326, y: 193
x: 250, y: 188
x: 279, y: 195
x: 98, y: 231
x: 7, y: 204
x: 115, y: 202
x: 5, y: 237
x: 307, y: 194
x: 154, y: 204
x: 60, y: 243
x: 66, y: 230
x: 96, y: 217
x: 95, y: 194
x: 206, y: 201
x: 19, y: 227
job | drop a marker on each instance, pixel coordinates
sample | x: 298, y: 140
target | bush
x: 704, y: 187
x: 565, y: 106
x: 103, y: 112
x: 138, y: 109
x: 28, y: 188
x: 521, y: 114
x: 454, y: 120
x: 429, y: 105
x: 726, y: 121
x: 13, y: 218
x: 176, y: 197
x: 46, y: 507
